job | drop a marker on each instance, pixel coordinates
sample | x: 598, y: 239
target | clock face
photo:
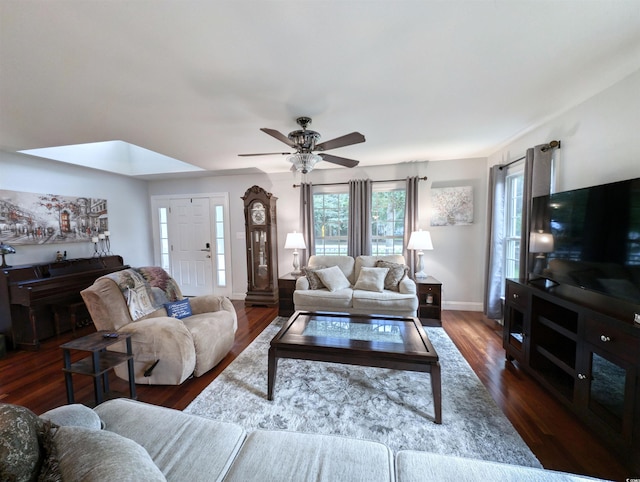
x: 258, y: 214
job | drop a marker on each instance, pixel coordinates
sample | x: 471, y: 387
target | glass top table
x: 369, y: 340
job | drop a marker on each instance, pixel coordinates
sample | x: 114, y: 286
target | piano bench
x: 71, y: 308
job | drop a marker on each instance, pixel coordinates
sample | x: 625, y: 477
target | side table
x: 286, y: 287
x: 429, y: 301
x: 98, y: 364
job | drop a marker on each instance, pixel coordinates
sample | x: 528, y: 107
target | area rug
x: 389, y: 406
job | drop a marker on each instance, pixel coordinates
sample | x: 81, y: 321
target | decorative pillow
x: 24, y: 453
x: 98, y: 455
x: 179, y: 309
x: 312, y: 277
x: 333, y: 278
x: 371, y: 279
x: 397, y: 272
x: 76, y: 415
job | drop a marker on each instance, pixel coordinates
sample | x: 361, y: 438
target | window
x: 387, y: 222
x: 513, y: 224
x: 164, y: 239
x: 221, y: 272
x: 331, y: 221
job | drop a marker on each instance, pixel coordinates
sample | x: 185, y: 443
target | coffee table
x: 367, y: 340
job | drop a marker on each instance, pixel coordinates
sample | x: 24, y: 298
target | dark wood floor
x: 559, y: 440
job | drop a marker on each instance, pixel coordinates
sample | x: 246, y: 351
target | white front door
x: 191, y: 245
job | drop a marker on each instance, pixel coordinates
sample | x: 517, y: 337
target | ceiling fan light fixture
x: 304, y: 162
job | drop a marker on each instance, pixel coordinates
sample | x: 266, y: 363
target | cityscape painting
x: 30, y: 218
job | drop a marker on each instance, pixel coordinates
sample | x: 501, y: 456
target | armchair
x: 167, y: 350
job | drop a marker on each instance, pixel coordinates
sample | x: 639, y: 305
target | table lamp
x: 541, y: 243
x: 6, y: 249
x: 420, y: 240
x: 295, y: 241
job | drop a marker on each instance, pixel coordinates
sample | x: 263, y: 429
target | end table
x: 286, y: 287
x: 98, y: 364
x: 429, y: 301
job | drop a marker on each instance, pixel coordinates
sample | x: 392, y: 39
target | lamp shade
x: 295, y: 241
x: 541, y: 242
x: 420, y: 240
x: 304, y: 161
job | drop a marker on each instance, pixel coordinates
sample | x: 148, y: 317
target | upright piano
x: 28, y: 292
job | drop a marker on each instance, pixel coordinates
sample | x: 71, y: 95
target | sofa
x: 364, y: 285
x: 172, y: 337
x: 126, y: 440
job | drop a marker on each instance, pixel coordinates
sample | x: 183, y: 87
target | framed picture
x: 30, y: 218
x: 451, y: 206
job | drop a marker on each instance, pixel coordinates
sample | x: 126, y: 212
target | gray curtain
x: 494, y: 268
x: 411, y: 219
x: 306, y: 221
x: 359, y: 234
x: 537, y: 182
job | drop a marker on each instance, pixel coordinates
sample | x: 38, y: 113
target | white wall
x: 457, y: 258
x: 600, y: 138
x: 127, y: 206
x: 600, y: 143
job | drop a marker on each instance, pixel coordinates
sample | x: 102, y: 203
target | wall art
x: 451, y: 206
x: 30, y: 218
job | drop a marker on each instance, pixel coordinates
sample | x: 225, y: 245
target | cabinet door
x: 516, y: 323
x: 608, y: 386
x: 515, y: 333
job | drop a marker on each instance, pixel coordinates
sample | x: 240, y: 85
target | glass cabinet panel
x: 606, y: 390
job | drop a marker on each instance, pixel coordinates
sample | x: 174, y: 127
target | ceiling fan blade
x: 278, y: 135
x: 346, y: 140
x: 342, y: 161
x: 266, y: 154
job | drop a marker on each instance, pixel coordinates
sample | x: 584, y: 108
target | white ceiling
x: 195, y: 80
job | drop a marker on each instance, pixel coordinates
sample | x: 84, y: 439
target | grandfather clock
x: 262, y: 247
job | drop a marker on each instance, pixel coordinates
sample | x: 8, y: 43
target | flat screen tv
x: 596, y: 238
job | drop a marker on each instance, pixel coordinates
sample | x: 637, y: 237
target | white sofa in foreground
x: 126, y: 440
x: 347, y: 285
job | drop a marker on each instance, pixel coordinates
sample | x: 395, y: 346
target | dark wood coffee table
x: 367, y: 340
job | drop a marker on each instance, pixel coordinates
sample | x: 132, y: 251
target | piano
x: 28, y: 292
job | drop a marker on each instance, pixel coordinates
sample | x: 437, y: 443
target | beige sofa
x: 183, y: 347
x: 400, y: 300
x: 126, y: 440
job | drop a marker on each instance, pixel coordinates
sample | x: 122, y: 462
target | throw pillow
x: 98, y: 455
x: 179, y: 309
x: 333, y: 278
x: 312, y: 277
x: 77, y: 415
x: 397, y: 272
x: 22, y: 449
x: 371, y: 279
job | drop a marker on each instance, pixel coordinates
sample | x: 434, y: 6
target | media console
x: 584, y: 352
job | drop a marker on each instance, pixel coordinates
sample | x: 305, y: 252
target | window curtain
x: 411, y: 219
x: 359, y: 230
x: 537, y: 182
x: 494, y: 268
x: 306, y: 221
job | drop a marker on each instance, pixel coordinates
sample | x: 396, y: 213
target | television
x: 596, y: 238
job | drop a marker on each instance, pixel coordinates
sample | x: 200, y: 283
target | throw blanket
x: 145, y: 289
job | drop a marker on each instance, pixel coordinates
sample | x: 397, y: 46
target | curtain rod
x: 343, y: 183
x: 550, y: 145
x: 512, y: 162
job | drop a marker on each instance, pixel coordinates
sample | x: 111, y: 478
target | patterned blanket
x: 145, y: 289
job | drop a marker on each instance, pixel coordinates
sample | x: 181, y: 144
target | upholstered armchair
x: 167, y: 349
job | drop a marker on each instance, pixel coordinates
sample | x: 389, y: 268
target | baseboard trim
x: 462, y: 306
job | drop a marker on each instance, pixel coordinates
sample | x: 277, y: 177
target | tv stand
x: 586, y: 357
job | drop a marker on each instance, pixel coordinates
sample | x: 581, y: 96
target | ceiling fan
x: 304, y: 142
